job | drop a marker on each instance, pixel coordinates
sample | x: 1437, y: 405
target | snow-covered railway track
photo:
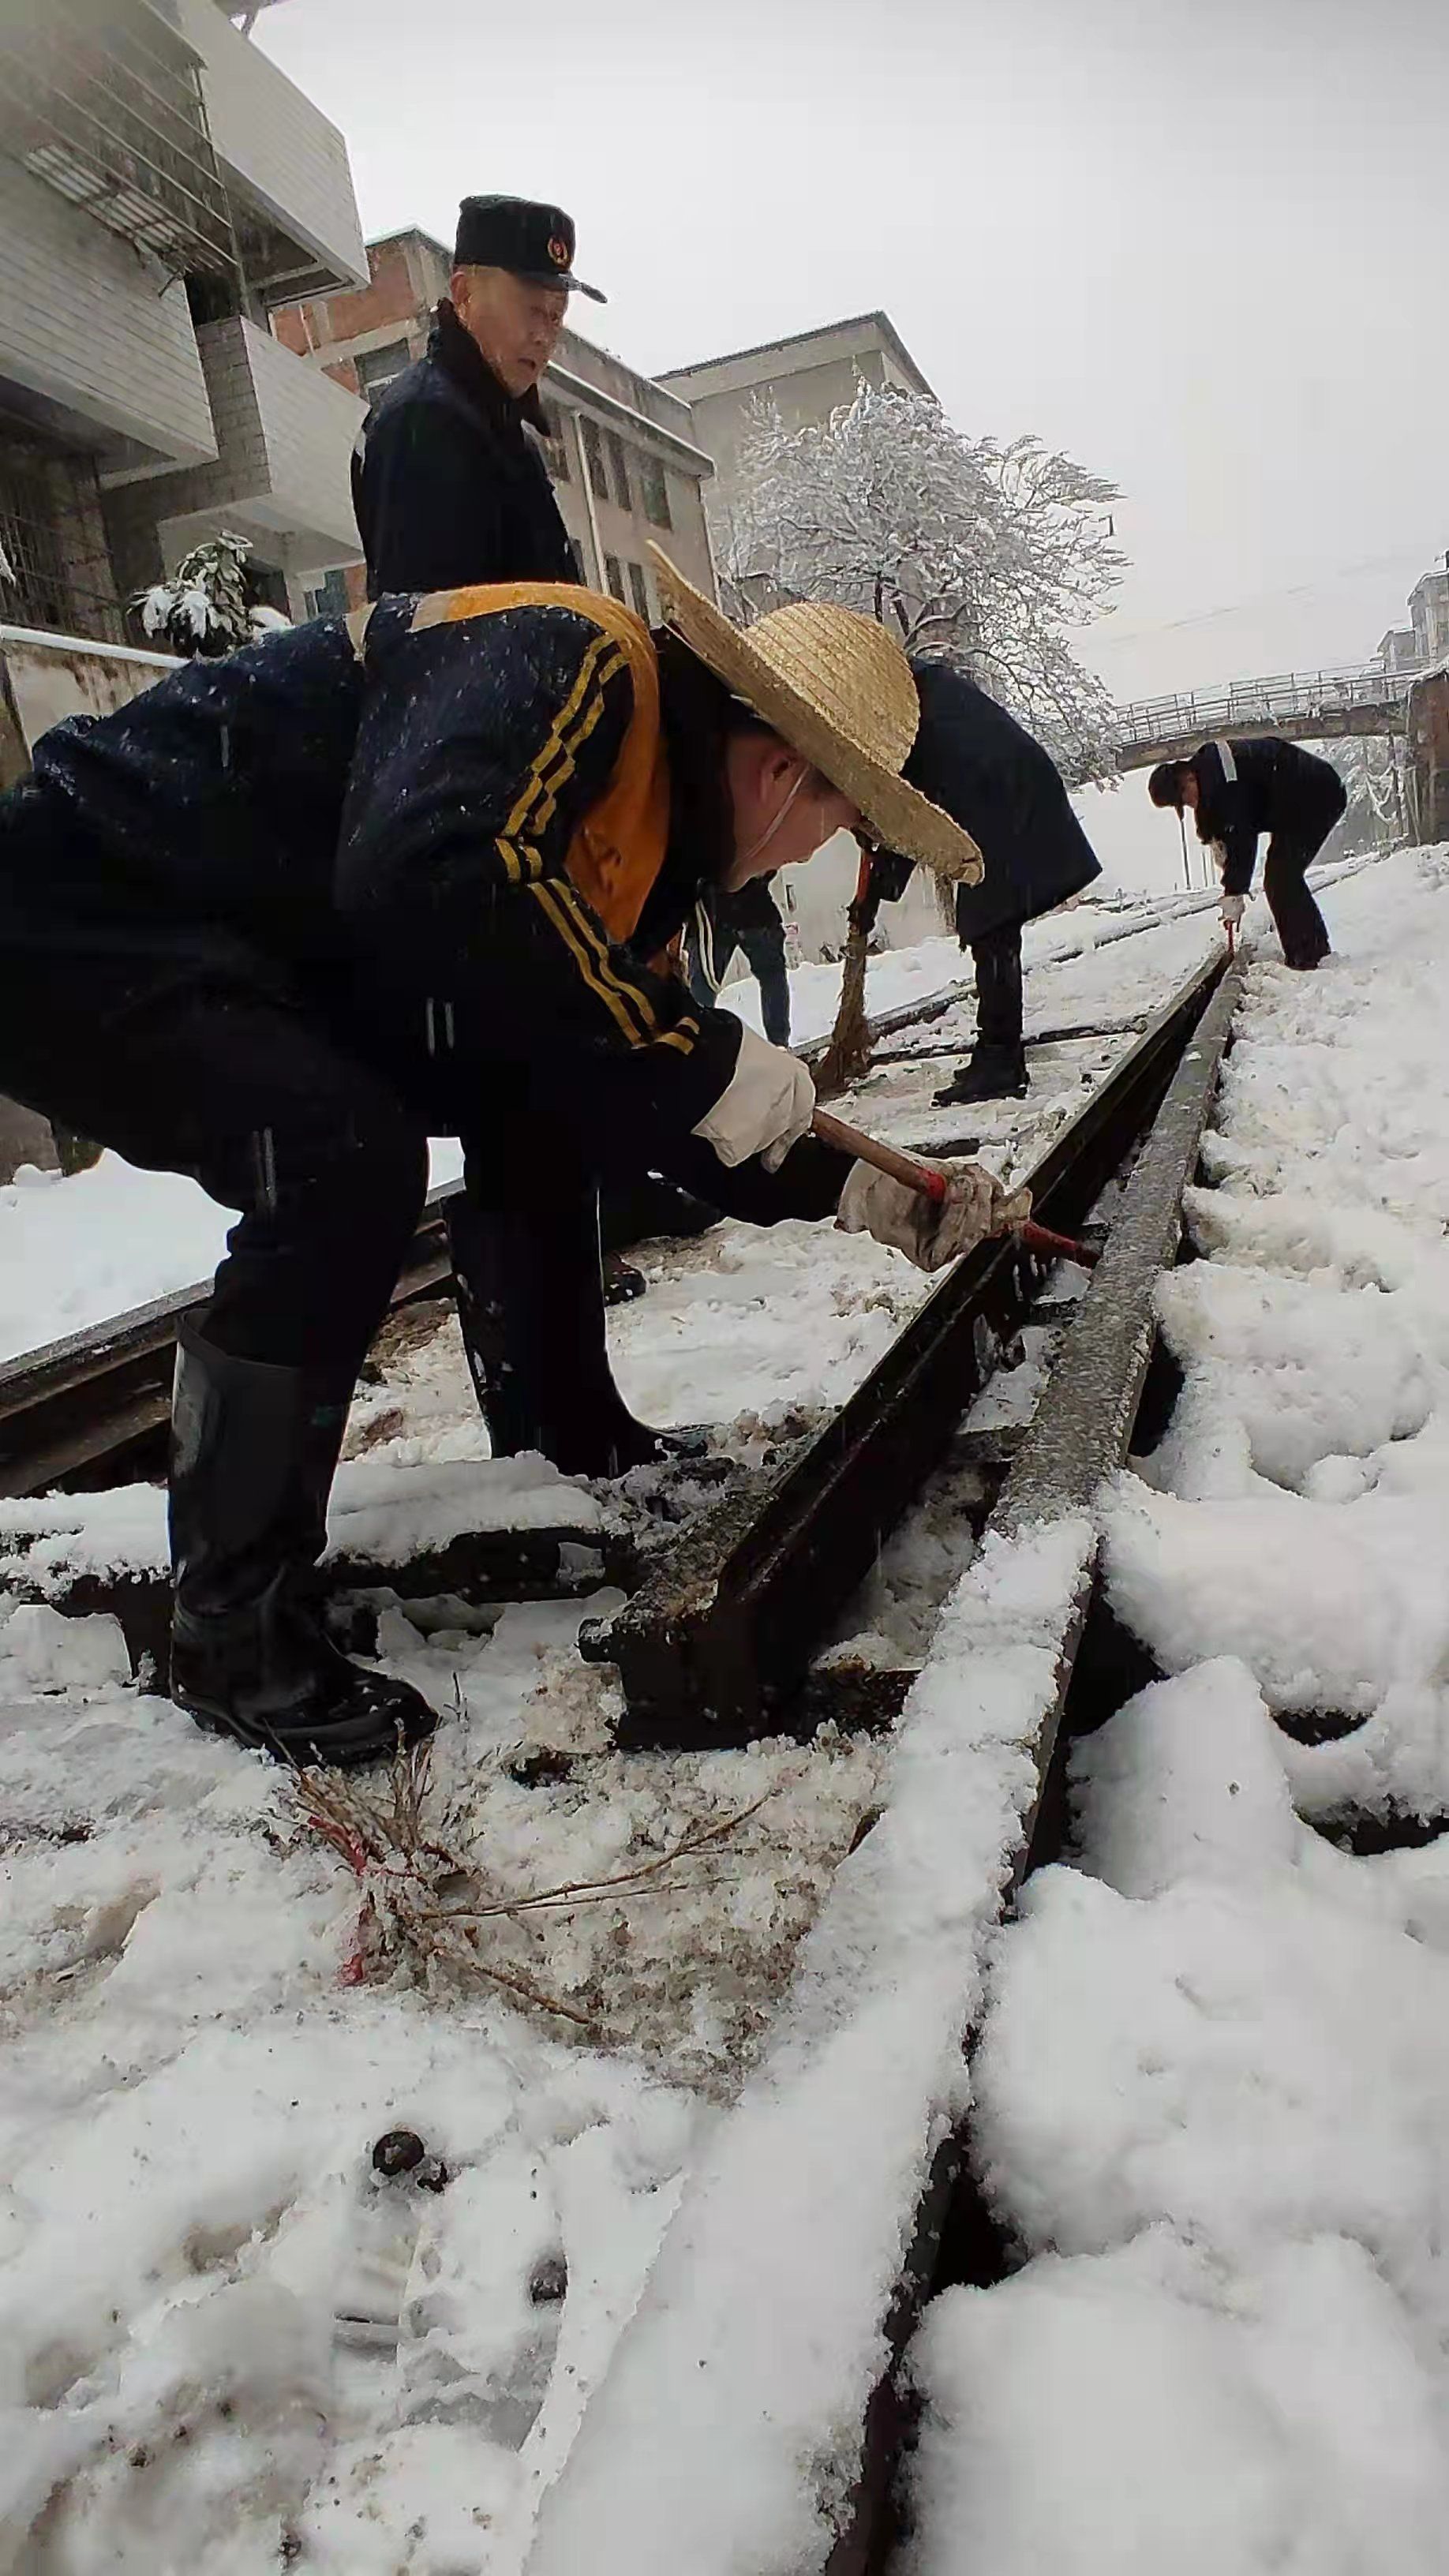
x: 830, y: 2203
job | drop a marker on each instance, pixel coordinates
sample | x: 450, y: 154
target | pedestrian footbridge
x: 1301, y: 706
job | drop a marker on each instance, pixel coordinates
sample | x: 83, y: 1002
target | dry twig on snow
x: 426, y: 1900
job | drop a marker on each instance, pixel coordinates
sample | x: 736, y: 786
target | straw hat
x: 839, y: 690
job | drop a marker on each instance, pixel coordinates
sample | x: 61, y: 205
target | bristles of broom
x: 848, y: 1055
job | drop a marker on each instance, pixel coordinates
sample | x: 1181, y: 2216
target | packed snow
x: 1212, y: 2091
x: 681, y: 2081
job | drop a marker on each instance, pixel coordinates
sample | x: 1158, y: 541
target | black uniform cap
x: 535, y: 243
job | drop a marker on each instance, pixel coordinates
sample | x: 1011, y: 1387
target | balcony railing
x: 102, y: 100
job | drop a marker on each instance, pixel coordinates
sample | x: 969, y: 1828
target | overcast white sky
x: 1202, y: 244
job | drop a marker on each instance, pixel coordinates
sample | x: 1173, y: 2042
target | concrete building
x: 804, y: 378
x: 622, y: 450
x: 1398, y: 650
x: 162, y: 186
x: 1429, y: 609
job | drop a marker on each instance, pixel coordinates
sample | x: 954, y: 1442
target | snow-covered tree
x: 206, y: 606
x: 984, y: 555
x: 1372, y: 769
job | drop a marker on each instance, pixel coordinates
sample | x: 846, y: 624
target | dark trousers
x: 1296, y: 917
x: 255, y: 1099
x: 999, y: 1003
x: 765, y: 955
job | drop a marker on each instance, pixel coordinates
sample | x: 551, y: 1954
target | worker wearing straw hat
x: 286, y: 914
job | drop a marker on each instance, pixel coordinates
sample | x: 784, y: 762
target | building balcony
x: 283, y: 163
x: 282, y: 476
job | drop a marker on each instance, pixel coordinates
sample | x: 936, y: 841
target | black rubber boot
x: 254, y: 1450
x: 652, y: 1209
x: 989, y: 1073
x: 531, y: 1306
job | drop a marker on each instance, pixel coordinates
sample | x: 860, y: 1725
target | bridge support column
x: 1429, y: 757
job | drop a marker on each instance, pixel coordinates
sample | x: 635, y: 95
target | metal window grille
x: 614, y: 576
x: 639, y: 589
x: 594, y: 457
x: 619, y: 464
x: 379, y: 368
x: 37, y: 586
x: 655, y: 485
x: 106, y: 108
x: 558, y: 444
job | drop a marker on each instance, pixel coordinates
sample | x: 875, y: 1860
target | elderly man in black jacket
x: 448, y: 476
x: 992, y: 777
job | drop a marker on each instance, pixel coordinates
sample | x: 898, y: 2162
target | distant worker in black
x: 1238, y: 790
x: 988, y: 773
x: 749, y: 919
x: 449, y: 481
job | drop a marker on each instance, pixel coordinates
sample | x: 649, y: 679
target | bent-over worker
x: 1239, y: 789
x: 524, y: 793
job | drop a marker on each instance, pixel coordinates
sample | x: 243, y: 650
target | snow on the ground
x: 1212, y: 2093
x: 226, y: 2343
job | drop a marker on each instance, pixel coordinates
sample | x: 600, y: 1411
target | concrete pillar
x: 1428, y: 743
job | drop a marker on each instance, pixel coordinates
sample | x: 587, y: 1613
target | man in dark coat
x: 749, y: 920
x: 189, y: 972
x: 448, y: 476
x: 984, y: 769
x: 1239, y: 789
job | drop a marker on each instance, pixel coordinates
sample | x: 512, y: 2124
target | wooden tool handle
x: 901, y: 1167
x: 920, y: 1176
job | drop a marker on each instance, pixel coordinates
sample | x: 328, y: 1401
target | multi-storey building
x: 162, y: 187
x: 803, y: 379
x: 622, y: 451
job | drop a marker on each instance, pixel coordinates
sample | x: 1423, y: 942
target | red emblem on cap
x: 558, y: 251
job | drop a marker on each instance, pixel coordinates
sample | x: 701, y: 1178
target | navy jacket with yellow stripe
x: 458, y: 822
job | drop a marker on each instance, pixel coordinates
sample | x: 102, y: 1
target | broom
x: 848, y: 1055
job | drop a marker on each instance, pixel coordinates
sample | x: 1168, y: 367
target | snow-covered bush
x: 205, y: 607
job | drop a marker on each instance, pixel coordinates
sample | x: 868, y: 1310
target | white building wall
x: 274, y: 144
x: 309, y: 426
x: 84, y: 322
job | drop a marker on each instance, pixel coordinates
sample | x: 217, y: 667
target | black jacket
x: 1245, y: 788
x: 193, y: 835
x: 201, y: 819
x: 448, y: 479
x: 986, y: 771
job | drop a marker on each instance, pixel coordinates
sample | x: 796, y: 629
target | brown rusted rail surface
x: 717, y: 1641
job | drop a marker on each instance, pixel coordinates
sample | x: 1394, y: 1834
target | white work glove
x: 1232, y: 911
x: 766, y: 1109
x: 930, y: 1232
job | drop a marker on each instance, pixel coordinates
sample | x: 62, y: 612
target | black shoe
x: 622, y: 1282
x: 254, y: 1449
x: 652, y: 1209
x: 987, y: 1075
x: 531, y: 1305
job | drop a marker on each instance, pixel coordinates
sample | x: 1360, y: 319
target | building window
x: 594, y: 454
x: 52, y: 561
x: 378, y: 368
x: 557, y: 441
x: 614, y: 576
x: 619, y: 462
x: 655, y: 484
x: 329, y: 598
x: 639, y: 590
